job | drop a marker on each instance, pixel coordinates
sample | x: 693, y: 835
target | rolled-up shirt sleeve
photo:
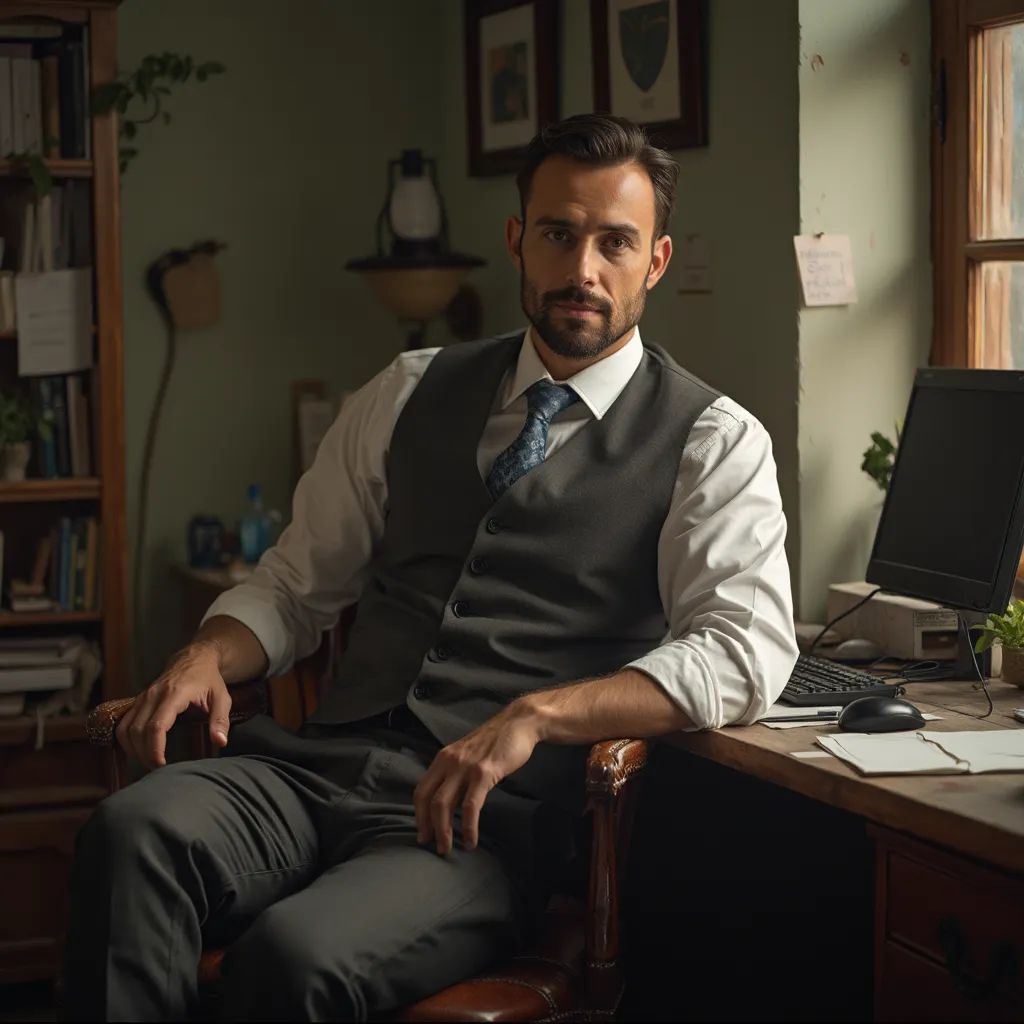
x: 724, y: 577
x: 321, y: 562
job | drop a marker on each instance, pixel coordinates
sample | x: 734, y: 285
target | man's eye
x: 557, y: 235
x: 617, y: 242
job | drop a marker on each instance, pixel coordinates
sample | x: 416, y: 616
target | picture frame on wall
x: 649, y: 66
x: 511, y: 79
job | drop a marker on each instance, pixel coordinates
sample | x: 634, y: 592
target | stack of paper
x: 936, y: 753
x: 43, y: 664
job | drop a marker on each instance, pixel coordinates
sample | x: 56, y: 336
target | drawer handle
x: 1002, y: 965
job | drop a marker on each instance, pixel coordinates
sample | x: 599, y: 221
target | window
x: 978, y: 183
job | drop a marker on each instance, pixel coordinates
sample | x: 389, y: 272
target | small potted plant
x: 17, y: 427
x: 1007, y: 631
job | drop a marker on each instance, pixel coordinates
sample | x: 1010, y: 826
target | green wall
x: 282, y: 157
x: 863, y: 172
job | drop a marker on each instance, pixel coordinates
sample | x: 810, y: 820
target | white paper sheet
x: 937, y: 753
x: 54, y: 321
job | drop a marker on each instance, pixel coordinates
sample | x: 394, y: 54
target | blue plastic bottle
x: 254, y: 528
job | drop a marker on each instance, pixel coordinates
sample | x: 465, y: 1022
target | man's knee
x: 140, y: 816
x: 278, y: 971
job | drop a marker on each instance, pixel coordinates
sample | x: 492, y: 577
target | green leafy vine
x: 146, y: 89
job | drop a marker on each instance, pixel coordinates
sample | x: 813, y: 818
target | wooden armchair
x: 572, y: 971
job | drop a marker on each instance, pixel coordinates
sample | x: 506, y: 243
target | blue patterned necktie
x: 544, y: 400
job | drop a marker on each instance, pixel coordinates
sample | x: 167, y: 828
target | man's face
x: 586, y: 254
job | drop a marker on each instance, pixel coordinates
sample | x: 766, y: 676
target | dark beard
x: 579, y: 338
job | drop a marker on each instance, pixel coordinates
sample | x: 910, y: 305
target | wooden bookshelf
x: 46, y: 794
x: 12, y: 335
x: 74, y: 488
x: 15, y: 619
x: 57, y: 168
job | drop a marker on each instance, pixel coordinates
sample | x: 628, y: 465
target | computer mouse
x: 879, y: 714
x: 856, y: 649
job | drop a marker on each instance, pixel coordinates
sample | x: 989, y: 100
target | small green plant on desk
x: 880, y: 458
x: 1007, y: 631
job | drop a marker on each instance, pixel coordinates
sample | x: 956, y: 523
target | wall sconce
x: 416, y: 276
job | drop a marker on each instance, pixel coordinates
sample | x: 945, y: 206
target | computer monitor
x: 952, y: 526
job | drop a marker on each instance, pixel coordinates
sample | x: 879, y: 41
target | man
x: 554, y: 537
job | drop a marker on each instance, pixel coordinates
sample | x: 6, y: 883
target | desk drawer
x: 915, y: 988
x: 950, y: 935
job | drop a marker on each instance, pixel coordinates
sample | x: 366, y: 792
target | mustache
x: 578, y: 297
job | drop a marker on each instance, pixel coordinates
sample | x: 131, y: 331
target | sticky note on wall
x: 825, y: 264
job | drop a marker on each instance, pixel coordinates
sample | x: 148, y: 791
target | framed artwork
x: 511, y: 79
x: 648, y: 60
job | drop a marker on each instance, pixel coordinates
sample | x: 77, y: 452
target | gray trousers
x: 299, y: 853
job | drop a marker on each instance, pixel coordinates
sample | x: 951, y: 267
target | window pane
x: 1000, y: 198
x: 999, y: 308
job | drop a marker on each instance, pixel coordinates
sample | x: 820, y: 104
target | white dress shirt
x: 722, y: 570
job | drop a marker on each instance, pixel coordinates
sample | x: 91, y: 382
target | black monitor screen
x: 950, y: 527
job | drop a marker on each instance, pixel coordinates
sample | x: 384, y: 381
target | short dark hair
x: 604, y: 141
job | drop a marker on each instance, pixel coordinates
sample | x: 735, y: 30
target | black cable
x: 977, y: 668
x: 143, y: 501
x: 849, y: 611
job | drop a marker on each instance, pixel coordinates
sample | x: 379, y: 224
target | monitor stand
x: 962, y: 667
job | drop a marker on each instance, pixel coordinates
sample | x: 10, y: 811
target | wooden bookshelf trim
x: 16, y: 620
x: 20, y: 729
x: 75, y: 488
x: 12, y: 335
x: 58, y: 168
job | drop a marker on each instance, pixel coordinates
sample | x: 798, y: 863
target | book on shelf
x: 64, y: 448
x: 53, y: 232
x: 8, y: 315
x: 46, y: 666
x: 66, y: 570
x: 44, y: 90
x: 31, y: 603
x: 6, y: 106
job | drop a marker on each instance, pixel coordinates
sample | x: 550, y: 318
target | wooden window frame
x: 962, y: 335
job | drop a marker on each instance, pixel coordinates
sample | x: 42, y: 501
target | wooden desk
x: 949, y: 856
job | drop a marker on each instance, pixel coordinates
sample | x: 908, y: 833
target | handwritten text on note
x: 826, y: 269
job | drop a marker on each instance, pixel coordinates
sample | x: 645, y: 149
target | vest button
x: 460, y: 608
x: 440, y: 653
x: 478, y: 565
x: 493, y: 526
x: 420, y: 692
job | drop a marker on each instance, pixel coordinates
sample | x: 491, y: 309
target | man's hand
x: 468, y: 770
x: 192, y: 678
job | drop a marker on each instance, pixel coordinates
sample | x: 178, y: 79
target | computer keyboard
x: 817, y: 682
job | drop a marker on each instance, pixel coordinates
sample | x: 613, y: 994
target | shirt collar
x: 598, y: 384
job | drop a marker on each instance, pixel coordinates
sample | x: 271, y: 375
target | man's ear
x: 514, y: 240
x: 660, y: 258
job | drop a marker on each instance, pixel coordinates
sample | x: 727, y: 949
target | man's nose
x: 582, y: 267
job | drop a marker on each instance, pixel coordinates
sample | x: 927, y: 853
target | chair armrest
x: 612, y: 763
x: 247, y: 699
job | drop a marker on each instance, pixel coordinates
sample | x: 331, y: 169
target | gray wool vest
x: 473, y: 602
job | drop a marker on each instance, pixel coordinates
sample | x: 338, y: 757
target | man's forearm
x: 240, y: 656
x: 628, y: 703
